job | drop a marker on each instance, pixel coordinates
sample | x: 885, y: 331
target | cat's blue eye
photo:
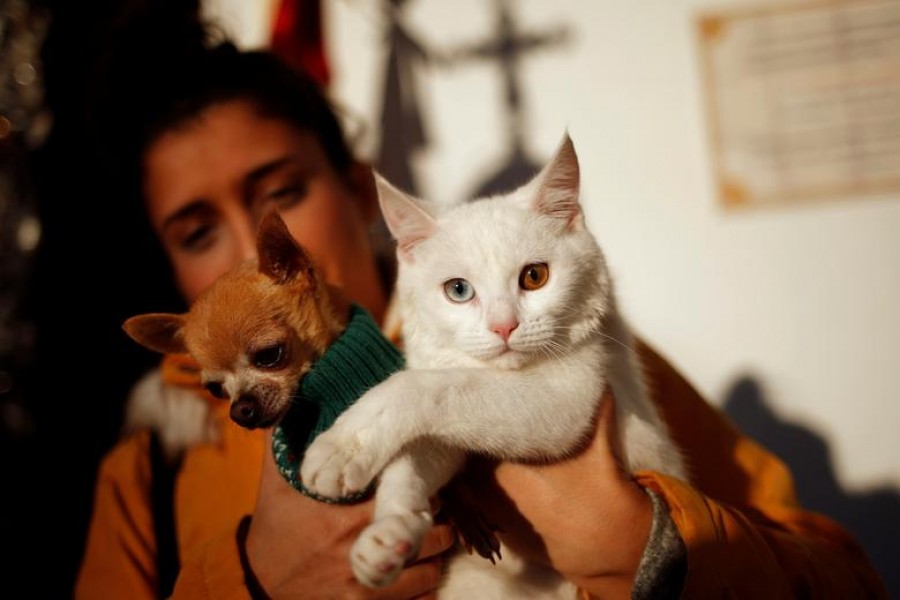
x: 459, y: 290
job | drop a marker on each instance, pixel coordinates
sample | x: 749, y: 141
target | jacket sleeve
x: 771, y: 551
x: 744, y: 533
x: 119, y: 559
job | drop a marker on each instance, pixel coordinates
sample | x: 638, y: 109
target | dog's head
x: 255, y: 331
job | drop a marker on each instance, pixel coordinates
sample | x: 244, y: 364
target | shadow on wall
x: 404, y: 107
x: 873, y: 517
x: 401, y: 109
x: 508, y: 48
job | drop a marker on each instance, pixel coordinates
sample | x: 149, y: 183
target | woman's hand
x: 584, y: 515
x: 300, y: 548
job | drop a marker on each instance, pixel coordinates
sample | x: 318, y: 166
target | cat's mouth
x: 500, y: 350
x: 507, y: 357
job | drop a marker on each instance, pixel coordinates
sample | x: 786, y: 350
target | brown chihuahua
x: 257, y: 330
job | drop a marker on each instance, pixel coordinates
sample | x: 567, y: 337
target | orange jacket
x: 744, y: 533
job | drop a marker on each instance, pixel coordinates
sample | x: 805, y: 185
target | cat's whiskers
x: 550, y: 352
x: 593, y: 330
x: 559, y: 350
x: 563, y: 350
x: 546, y: 352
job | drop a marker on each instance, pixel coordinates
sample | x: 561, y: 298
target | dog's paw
x: 378, y: 555
x: 336, y: 466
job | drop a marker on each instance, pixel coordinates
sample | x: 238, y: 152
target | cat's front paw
x: 336, y: 466
x: 345, y: 459
x: 378, y: 555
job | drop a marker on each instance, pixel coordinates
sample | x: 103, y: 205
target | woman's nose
x: 245, y: 236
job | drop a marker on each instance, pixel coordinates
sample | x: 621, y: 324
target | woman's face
x: 208, y: 183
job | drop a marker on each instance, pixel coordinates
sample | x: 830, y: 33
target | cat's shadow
x: 873, y: 517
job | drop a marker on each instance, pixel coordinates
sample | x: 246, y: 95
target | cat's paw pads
x: 378, y: 555
x: 335, y: 467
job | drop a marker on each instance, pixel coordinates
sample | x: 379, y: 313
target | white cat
x: 512, y: 334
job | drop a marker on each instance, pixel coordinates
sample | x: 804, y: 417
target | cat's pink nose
x: 505, y: 330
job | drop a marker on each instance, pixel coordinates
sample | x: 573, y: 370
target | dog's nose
x: 245, y: 412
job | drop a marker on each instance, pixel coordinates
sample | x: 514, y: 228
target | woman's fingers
x: 438, y: 540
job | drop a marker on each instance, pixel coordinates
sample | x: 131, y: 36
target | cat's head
x: 505, y: 280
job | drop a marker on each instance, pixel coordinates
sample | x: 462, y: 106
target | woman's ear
x: 362, y: 182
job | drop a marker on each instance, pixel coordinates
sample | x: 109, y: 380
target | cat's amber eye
x: 534, y: 277
x: 216, y: 390
x: 270, y: 357
x: 459, y: 290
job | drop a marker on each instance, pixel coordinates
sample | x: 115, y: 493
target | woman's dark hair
x: 142, y: 94
x: 223, y: 74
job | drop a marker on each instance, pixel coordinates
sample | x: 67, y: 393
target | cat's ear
x: 558, y: 186
x: 408, y: 222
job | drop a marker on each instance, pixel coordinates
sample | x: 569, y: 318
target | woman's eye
x: 216, y: 390
x: 459, y: 290
x: 269, y: 358
x: 288, y: 195
x: 534, y: 276
x: 198, y: 238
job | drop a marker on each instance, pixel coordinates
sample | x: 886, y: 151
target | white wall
x: 804, y: 299
x: 247, y: 22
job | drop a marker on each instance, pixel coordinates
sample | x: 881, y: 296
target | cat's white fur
x: 467, y: 390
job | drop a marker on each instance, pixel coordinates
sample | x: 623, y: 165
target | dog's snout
x: 245, y: 412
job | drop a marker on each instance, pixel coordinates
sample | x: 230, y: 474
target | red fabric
x: 297, y: 38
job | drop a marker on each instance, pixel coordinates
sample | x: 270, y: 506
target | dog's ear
x: 161, y: 332
x: 280, y: 257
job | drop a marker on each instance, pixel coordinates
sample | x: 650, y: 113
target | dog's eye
x: 269, y: 358
x: 216, y: 390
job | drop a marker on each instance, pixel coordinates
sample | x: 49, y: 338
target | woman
x: 243, y: 134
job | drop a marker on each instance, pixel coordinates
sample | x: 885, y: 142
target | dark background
x: 97, y: 265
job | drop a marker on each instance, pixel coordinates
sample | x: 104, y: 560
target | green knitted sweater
x: 358, y: 360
